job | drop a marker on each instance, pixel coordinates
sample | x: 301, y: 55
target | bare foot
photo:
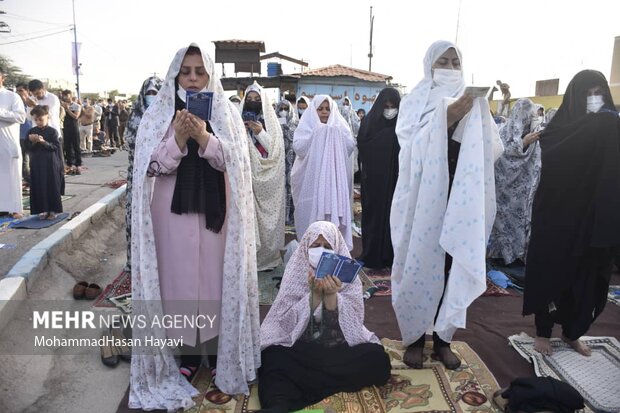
x: 543, y: 345
x: 17, y: 215
x: 51, y: 216
x: 578, y: 346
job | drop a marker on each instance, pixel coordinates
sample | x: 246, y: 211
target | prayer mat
x: 26, y: 200
x: 382, y: 279
x: 267, y: 286
x: 121, y: 286
x: 596, y: 377
x: 613, y: 296
x: 34, y: 222
x: 432, y: 389
x: 495, y: 290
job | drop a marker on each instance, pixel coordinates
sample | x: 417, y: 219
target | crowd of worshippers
x: 444, y: 186
x: 46, y: 138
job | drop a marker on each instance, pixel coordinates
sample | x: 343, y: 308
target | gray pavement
x: 96, y: 253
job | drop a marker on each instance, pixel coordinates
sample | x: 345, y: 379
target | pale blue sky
x: 124, y: 41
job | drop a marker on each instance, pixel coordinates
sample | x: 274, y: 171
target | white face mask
x: 283, y: 113
x: 149, y: 99
x: 390, y: 113
x: 445, y: 77
x: 594, y: 103
x: 182, y: 93
x: 301, y: 111
x: 314, y: 255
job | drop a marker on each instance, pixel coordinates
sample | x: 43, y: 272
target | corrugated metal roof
x: 340, y: 70
x: 241, y: 44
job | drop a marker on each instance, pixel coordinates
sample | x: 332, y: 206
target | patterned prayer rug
x: 382, y: 280
x: 432, y: 389
x: 595, y: 377
x: 119, y: 287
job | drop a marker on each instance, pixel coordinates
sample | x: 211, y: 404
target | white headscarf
x: 349, y: 115
x: 155, y: 382
x: 417, y: 108
x: 289, y: 315
x: 425, y: 223
x: 321, y: 175
x: 268, y: 175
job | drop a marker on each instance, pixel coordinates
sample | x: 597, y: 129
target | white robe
x: 12, y: 114
x: 321, y: 177
x: 425, y: 223
x: 268, y: 184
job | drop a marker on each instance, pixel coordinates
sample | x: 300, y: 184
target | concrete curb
x: 14, y: 286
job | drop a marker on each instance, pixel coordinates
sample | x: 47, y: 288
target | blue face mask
x: 149, y: 99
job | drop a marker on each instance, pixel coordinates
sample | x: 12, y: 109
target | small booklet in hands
x: 478, y: 91
x: 346, y: 269
x: 200, y: 104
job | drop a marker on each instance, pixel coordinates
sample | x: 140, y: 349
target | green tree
x: 113, y: 93
x: 14, y: 74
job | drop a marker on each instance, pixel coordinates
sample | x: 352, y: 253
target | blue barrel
x: 274, y: 69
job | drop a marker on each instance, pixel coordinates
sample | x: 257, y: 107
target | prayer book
x: 346, y: 269
x: 478, y: 91
x: 200, y: 104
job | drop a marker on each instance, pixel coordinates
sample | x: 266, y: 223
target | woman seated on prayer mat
x: 193, y: 244
x: 575, y: 216
x: 442, y: 212
x: 321, y: 178
x: 314, y: 343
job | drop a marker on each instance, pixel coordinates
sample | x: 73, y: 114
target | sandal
x: 79, y: 289
x: 414, y: 357
x: 447, y: 357
x: 92, y: 291
x: 109, y: 352
x: 124, y: 350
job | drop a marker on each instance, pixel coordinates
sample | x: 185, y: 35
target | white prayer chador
x: 12, y: 114
x: 321, y: 178
x: 268, y: 182
x: 425, y: 223
x: 155, y: 381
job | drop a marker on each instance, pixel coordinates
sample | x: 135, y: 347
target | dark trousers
x: 25, y: 162
x: 73, y: 153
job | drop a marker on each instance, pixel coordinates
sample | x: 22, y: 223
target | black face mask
x: 252, y: 106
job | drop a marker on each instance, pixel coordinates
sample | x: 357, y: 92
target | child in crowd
x: 46, y: 166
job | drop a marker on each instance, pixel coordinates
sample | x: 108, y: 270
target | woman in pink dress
x: 193, y: 241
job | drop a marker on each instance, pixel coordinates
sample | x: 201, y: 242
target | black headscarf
x: 199, y: 187
x: 577, y: 205
x: 378, y: 154
x: 374, y: 119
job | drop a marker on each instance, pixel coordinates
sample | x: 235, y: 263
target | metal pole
x: 458, y: 22
x: 77, y: 60
x: 370, y: 51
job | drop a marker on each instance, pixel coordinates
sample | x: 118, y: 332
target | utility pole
x: 77, y: 59
x: 372, y: 19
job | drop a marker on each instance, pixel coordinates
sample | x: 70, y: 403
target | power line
x: 36, y: 37
x: 68, y: 27
x: 17, y: 16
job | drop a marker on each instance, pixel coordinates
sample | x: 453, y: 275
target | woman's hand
x: 530, y: 138
x: 33, y: 138
x: 460, y: 108
x: 181, y: 130
x: 256, y: 127
x: 331, y: 286
x: 198, y: 130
